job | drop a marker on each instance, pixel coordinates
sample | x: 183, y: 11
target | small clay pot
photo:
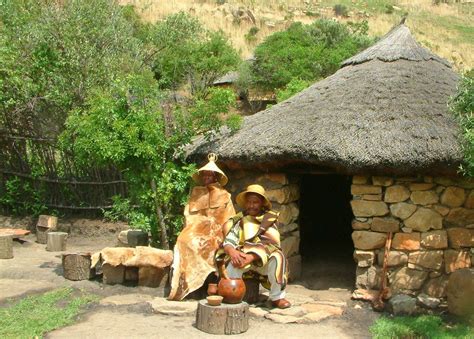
x: 212, y: 289
x: 214, y: 300
x: 233, y: 290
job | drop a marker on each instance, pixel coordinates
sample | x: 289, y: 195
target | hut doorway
x: 326, y: 245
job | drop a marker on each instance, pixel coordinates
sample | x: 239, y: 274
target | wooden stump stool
x: 56, y: 241
x: 223, y: 319
x: 77, y: 266
x: 6, y: 247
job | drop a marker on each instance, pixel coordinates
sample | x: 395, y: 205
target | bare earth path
x: 131, y: 312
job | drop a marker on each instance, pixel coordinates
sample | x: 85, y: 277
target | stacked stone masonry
x: 432, y: 220
x: 283, y: 191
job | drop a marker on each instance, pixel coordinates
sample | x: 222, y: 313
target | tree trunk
x: 77, y: 266
x: 223, y: 319
x: 159, y: 214
x: 6, y: 247
x: 56, y: 241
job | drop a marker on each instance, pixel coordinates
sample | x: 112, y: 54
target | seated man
x: 252, y: 243
x: 209, y: 207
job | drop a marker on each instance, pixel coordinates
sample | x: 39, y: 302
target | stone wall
x: 283, y: 192
x: 432, y: 220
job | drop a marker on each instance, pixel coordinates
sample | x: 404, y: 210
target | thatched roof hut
x: 384, y: 111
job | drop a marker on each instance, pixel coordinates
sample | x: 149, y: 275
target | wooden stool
x: 56, y: 241
x: 77, y: 266
x: 46, y: 224
x: 223, y: 319
x: 6, y: 247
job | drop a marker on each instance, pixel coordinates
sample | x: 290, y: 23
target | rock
x: 406, y: 241
x: 290, y: 246
x: 277, y: 178
x: 372, y: 197
x: 288, y: 213
x: 317, y: 312
x: 424, y: 197
x: 395, y: 258
x: 368, y: 278
x: 285, y: 194
x: 365, y: 295
x: 420, y: 186
x: 284, y: 229
x: 385, y: 225
x: 403, y: 210
x: 434, y: 239
x: 460, y: 237
x: 281, y: 319
x: 364, y: 258
x: 359, y: 179
x: 453, y: 196
x: 427, y: 259
x: 427, y: 301
x: 436, y: 287
x: 407, y: 230
x: 357, y: 225
x: 460, y: 216
x: 461, y: 292
x: 402, y: 304
x: 294, y: 267
x: 407, y: 279
x: 176, y: 308
x: 257, y: 312
x: 365, y: 189
x: 133, y: 238
x: 470, y: 200
x: 126, y: 299
x: 455, y: 260
x: 295, y: 311
x: 443, y: 210
x: 396, y: 193
x: 382, y: 181
x: 458, y: 181
x: 424, y: 219
x: 366, y: 240
x: 363, y: 219
x: 362, y: 208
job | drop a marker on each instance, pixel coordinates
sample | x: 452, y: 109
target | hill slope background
x: 444, y: 28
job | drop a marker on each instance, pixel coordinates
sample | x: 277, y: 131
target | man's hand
x: 249, y: 258
x: 236, y: 257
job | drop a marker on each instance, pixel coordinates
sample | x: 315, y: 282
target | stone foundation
x: 432, y: 220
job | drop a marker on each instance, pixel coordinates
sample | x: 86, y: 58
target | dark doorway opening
x: 326, y: 245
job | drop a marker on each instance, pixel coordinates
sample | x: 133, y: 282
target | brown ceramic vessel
x: 212, y: 289
x: 233, y: 290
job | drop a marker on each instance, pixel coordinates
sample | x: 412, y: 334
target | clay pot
x: 233, y: 290
x: 212, y: 289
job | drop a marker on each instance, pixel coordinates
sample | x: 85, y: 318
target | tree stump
x: 6, y: 247
x: 113, y: 274
x: 77, y: 266
x: 56, y: 241
x: 223, y: 319
x: 252, y: 290
x: 45, y: 224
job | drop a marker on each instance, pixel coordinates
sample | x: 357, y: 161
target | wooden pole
x: 77, y: 266
x: 56, y: 241
x: 223, y: 319
x: 6, y: 247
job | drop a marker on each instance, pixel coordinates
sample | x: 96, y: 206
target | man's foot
x: 281, y: 303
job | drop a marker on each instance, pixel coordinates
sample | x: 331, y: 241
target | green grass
x: 424, y: 326
x: 35, y: 315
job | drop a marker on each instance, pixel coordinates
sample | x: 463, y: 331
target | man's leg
x: 234, y: 272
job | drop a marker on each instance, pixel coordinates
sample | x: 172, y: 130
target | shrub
x: 340, y: 10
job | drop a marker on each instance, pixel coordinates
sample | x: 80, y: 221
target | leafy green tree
x: 294, y: 86
x: 462, y: 105
x: 307, y: 52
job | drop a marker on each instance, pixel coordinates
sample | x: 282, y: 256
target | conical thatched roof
x: 384, y: 111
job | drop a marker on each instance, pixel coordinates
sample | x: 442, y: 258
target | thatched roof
x: 384, y: 111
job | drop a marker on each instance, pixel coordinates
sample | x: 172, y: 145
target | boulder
x: 290, y: 246
x: 395, y: 258
x: 460, y: 216
x: 424, y: 219
x: 152, y: 276
x: 424, y: 197
x: 460, y: 237
x: 454, y: 260
x: 366, y: 240
x: 407, y: 279
x: 453, y: 196
x: 294, y: 267
x: 372, y: 197
x: 406, y: 241
x: 359, y: 179
x: 436, y: 287
x: 434, y: 239
x: 369, y: 278
x: 357, y: 225
x: 470, y: 200
x: 402, y: 210
x: 460, y: 292
x: 364, y: 258
x: 427, y: 301
x: 382, y: 181
x: 365, y: 189
x: 288, y: 213
x: 432, y: 260
x: 402, y: 304
x: 415, y: 186
x: 396, y: 193
x: 362, y: 208
x: 385, y: 225
x: 285, y: 194
x: 284, y: 229
x: 443, y: 210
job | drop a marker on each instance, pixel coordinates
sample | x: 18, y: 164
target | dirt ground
x: 124, y: 312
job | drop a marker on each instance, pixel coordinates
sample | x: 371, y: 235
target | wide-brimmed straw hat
x: 257, y: 189
x: 211, y: 166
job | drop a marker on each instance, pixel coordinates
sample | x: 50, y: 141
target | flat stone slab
x: 281, y: 319
x: 170, y: 307
x: 14, y: 232
x: 126, y: 299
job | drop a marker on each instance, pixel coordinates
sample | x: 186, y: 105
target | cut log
x: 131, y: 274
x: 252, y: 289
x: 6, y: 247
x: 45, y: 224
x: 113, y: 274
x: 77, y: 266
x: 56, y: 241
x: 152, y: 276
x: 223, y: 319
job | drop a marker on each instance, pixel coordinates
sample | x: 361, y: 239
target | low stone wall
x: 283, y: 191
x: 432, y: 220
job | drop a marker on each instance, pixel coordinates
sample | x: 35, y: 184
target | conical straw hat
x: 211, y: 166
x: 257, y: 189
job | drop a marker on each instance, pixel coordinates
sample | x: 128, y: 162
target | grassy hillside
x: 446, y: 29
